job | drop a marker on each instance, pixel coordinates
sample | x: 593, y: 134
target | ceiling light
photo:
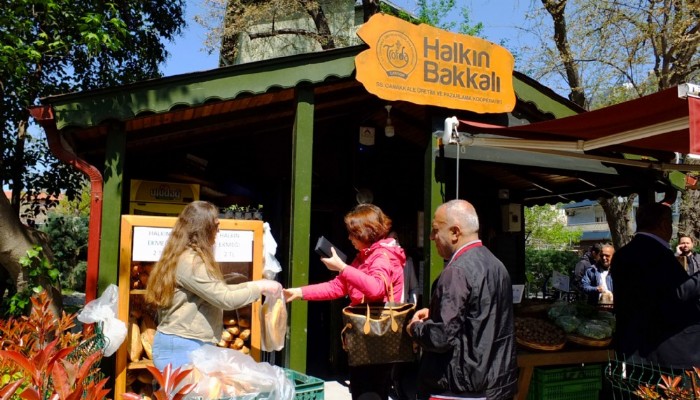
x: 389, y: 128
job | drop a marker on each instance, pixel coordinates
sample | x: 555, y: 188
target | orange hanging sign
x: 427, y: 65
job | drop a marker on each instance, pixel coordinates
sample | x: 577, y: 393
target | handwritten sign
x: 426, y: 65
x: 230, y: 246
x: 234, y: 246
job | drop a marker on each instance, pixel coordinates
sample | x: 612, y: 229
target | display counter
x: 527, y: 361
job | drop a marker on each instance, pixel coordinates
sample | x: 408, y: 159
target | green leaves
x: 39, y: 271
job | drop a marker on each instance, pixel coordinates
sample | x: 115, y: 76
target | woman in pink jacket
x: 379, y: 261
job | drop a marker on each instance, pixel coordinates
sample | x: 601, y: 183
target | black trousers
x: 370, y: 382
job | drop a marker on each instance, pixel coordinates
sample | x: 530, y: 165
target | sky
x: 500, y: 18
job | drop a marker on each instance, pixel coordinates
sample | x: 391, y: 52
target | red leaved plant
x: 172, y: 384
x: 671, y: 388
x: 37, y: 358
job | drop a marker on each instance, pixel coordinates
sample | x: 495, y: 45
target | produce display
x: 584, y: 323
x: 549, y: 328
x: 539, y: 334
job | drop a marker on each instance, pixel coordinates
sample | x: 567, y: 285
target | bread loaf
x: 275, y: 325
x: 133, y: 340
x: 244, y: 323
x: 147, y: 341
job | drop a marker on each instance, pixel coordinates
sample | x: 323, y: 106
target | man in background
x: 657, y: 305
x: 597, y: 283
x: 684, y: 250
x: 588, y: 259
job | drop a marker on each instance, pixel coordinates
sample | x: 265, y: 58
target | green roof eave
x: 546, y: 100
x: 89, y: 108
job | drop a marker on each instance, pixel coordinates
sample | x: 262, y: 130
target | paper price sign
x: 230, y: 246
x: 234, y: 246
x: 149, y: 243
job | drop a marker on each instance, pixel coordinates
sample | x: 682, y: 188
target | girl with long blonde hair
x: 187, y: 288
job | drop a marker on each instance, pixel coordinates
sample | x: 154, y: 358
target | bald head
x: 455, y: 224
x: 462, y: 214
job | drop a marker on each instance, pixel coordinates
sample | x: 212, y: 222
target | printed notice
x: 231, y: 245
x: 518, y: 293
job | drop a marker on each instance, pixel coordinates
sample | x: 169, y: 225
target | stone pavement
x: 336, y: 390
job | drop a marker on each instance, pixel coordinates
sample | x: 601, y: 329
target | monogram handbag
x: 375, y: 333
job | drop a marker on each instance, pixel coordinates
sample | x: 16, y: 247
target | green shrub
x: 68, y: 236
x: 540, y: 264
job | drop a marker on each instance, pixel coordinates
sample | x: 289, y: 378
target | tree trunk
x: 15, y: 241
x: 619, y: 216
x: 369, y: 8
x: 556, y: 9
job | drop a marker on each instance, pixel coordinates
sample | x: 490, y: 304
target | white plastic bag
x: 220, y: 372
x: 273, y: 323
x: 271, y: 266
x: 104, y: 310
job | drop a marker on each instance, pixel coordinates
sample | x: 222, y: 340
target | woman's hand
x: 334, y: 263
x: 268, y: 287
x: 292, y: 294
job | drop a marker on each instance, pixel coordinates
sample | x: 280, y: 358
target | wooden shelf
x: 140, y: 364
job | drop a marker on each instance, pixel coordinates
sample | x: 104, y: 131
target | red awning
x: 662, y: 121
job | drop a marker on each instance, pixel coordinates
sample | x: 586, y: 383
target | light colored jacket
x: 199, y: 301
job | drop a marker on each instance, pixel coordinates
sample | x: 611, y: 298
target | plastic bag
x: 595, y: 329
x: 569, y: 323
x: 273, y: 323
x: 220, y: 373
x: 271, y: 266
x: 104, y: 310
x: 561, y: 308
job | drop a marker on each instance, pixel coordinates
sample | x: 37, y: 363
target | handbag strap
x: 394, y: 324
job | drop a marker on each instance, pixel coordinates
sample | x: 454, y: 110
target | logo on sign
x: 165, y: 192
x: 396, y: 54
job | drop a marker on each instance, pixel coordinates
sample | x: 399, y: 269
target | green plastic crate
x: 568, y: 373
x: 566, y: 383
x: 306, y: 387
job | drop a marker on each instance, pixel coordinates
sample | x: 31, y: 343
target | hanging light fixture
x: 389, y: 128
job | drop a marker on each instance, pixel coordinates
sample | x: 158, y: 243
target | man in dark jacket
x: 587, y: 260
x: 685, y: 251
x: 657, y: 304
x: 467, y: 334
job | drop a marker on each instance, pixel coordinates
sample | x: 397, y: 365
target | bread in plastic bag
x: 273, y: 323
x: 221, y: 373
x: 103, y: 310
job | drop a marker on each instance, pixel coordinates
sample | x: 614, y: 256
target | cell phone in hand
x: 323, y: 248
